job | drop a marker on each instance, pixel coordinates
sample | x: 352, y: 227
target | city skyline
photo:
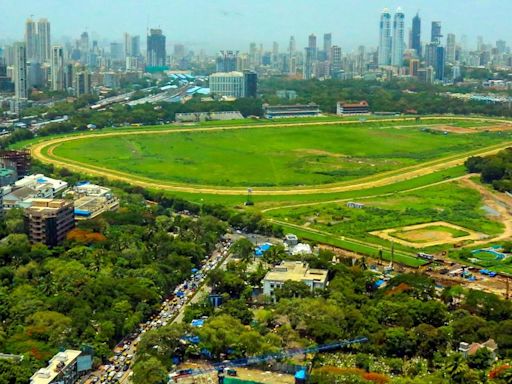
x: 200, y: 29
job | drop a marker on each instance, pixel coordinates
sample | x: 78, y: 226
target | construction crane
x: 230, y: 365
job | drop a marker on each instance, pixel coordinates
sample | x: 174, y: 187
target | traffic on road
x: 118, y: 368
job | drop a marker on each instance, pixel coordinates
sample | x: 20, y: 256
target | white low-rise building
x: 46, y: 186
x: 294, y: 271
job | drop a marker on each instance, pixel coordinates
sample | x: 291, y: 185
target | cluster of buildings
x: 50, y: 206
x: 48, y: 219
x: 85, y: 65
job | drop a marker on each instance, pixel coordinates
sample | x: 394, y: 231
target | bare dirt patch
x: 462, y: 130
x: 428, y: 234
x: 452, y: 129
x: 319, y: 152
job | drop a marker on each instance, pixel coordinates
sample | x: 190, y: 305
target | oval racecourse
x: 278, y: 159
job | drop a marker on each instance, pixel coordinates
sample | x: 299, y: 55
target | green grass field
x: 271, y: 156
x: 445, y: 202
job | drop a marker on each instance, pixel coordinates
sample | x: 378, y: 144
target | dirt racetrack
x: 44, y: 152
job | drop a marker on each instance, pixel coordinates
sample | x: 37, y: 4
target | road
x: 171, y: 310
x: 44, y: 152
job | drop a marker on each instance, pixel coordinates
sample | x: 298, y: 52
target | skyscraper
x: 416, y: 35
x: 385, y: 38
x: 335, y: 55
x: 435, y: 36
x: 327, y: 44
x: 398, y: 44
x: 312, y: 41
x: 43, y: 41
x: 312, y: 46
x: 440, y: 63
x: 156, y: 55
x: 226, y: 61
x: 127, y: 39
x: 292, y: 47
x: 20, y: 72
x: 116, y: 51
x: 450, y: 48
x: 84, y: 42
x: 135, y: 46
x: 250, y: 84
x: 31, y: 39
x: 308, y: 69
x: 501, y: 46
x: 57, y: 68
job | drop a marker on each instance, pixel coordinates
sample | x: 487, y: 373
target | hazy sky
x: 232, y: 24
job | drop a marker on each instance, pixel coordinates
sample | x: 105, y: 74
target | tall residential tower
x: 398, y: 43
x: 385, y: 38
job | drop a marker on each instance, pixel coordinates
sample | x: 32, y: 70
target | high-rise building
x: 82, y: 83
x: 156, y: 54
x: 440, y: 63
x: 127, y: 40
x: 254, y: 59
x: 116, y: 51
x: 398, y: 43
x: 501, y: 46
x: 416, y: 35
x: 49, y: 221
x: 135, y: 46
x: 312, y: 41
x: 385, y: 38
x: 84, y: 42
x: 250, y: 84
x: 43, y: 41
x: 20, y: 75
x: 450, y: 48
x: 312, y: 48
x: 435, y: 35
x: 227, y: 61
x: 308, y: 66
x: 229, y: 84
x: 327, y: 44
x: 480, y: 43
x: 430, y: 54
x: 335, y: 60
x: 57, y: 68
x: 31, y: 39
x: 292, y: 47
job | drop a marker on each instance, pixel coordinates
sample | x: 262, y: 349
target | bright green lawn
x: 274, y: 156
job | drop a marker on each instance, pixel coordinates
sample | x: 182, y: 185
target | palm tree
x: 456, y: 368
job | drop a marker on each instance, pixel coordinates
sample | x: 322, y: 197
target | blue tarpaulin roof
x: 82, y: 212
x: 197, y: 323
x: 301, y: 375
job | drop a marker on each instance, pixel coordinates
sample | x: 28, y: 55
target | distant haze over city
x: 233, y: 24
